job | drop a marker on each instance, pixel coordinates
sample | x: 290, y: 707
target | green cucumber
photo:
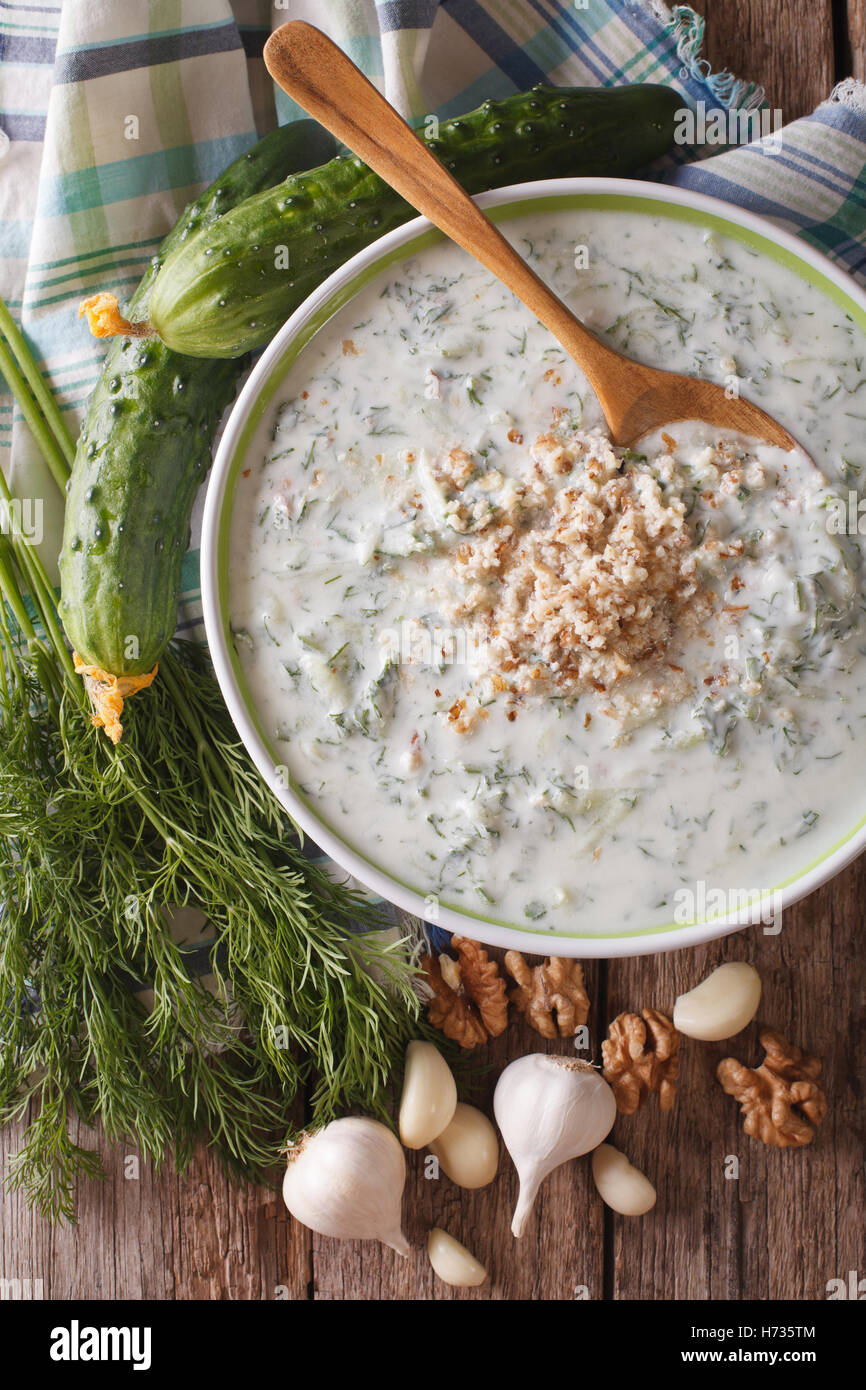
x: 145, y: 446
x: 228, y: 288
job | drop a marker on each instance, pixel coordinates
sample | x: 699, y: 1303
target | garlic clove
x: 721, y: 1005
x: 453, y: 1262
x: 468, y: 1150
x: 622, y: 1186
x: 429, y: 1095
x: 549, y: 1109
x: 346, y: 1180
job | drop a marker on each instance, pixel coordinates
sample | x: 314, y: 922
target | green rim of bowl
x: 762, y: 245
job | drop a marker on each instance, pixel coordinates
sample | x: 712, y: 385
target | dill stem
x: 35, y: 421
x: 202, y: 746
x: 171, y: 834
x: 42, y: 393
x: 43, y: 598
x: 12, y: 594
x: 41, y: 590
x: 49, y: 429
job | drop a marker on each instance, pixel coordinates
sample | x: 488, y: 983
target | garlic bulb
x: 452, y: 1261
x: 468, y: 1150
x: 429, y: 1095
x: 622, y: 1186
x: 346, y: 1180
x: 549, y: 1109
x: 721, y: 1005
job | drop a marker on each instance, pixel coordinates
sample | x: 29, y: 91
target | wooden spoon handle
x: 321, y: 79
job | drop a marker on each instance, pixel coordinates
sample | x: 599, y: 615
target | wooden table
x: 789, y: 1223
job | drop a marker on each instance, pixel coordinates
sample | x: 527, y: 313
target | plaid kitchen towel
x: 114, y: 113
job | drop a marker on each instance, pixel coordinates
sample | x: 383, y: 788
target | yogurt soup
x: 558, y: 684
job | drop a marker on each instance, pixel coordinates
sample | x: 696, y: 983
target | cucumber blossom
x: 228, y: 288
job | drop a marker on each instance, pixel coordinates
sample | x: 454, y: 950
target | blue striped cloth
x: 112, y: 116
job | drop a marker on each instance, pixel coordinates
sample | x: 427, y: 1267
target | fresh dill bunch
x: 95, y: 842
x: 97, y: 845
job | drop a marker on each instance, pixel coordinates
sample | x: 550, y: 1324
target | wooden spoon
x: 634, y: 398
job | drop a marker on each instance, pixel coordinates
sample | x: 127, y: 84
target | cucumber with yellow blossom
x: 224, y: 289
x: 144, y: 447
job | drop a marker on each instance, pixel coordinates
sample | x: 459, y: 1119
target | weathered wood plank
x: 786, y: 46
x: 166, y: 1237
x: 783, y: 1228
x: 853, y: 46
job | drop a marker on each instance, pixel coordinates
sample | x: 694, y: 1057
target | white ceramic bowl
x: 544, y: 196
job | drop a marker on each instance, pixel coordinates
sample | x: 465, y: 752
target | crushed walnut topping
x: 574, y: 586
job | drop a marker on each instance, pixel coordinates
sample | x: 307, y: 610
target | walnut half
x: 555, y: 986
x: 781, y: 1099
x: 469, y: 1003
x: 641, y: 1055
